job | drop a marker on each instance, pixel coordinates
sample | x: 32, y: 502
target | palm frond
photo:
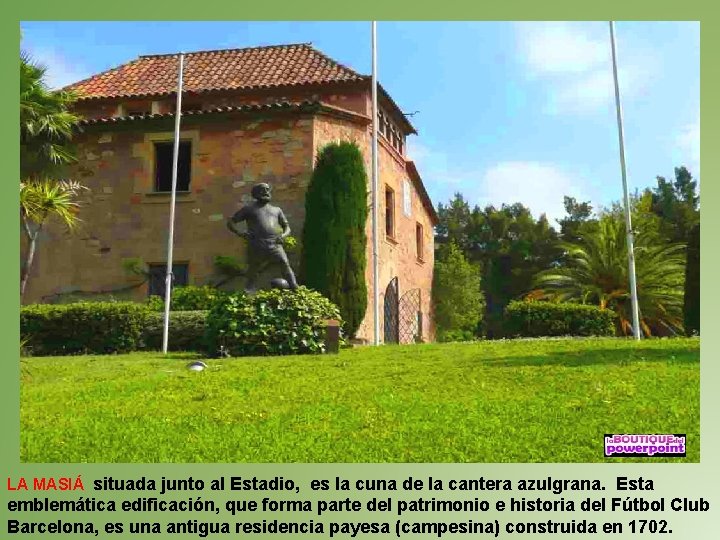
x: 596, y: 271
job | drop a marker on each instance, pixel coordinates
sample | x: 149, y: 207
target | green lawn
x: 502, y: 401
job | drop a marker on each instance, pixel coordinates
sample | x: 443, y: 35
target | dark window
x: 419, y: 241
x: 164, y: 165
x: 157, y: 273
x: 389, y: 212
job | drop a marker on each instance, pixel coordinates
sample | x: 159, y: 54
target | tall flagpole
x: 176, y: 151
x: 376, y: 287
x: 628, y: 221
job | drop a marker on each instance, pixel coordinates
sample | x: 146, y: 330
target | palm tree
x: 596, y: 272
x: 46, y: 127
x: 40, y: 200
x: 46, y: 123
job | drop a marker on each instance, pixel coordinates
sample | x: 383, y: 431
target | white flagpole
x: 376, y: 285
x: 176, y: 151
x: 628, y: 221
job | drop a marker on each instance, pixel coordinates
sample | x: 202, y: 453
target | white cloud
x: 574, y: 61
x: 539, y: 186
x: 593, y: 92
x: 60, y: 71
x: 559, y: 48
x: 687, y: 150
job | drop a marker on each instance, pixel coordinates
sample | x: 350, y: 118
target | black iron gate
x: 391, y: 334
x: 410, y: 317
x: 403, y: 319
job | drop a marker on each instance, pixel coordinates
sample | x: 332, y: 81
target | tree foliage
x: 46, y: 126
x: 334, y: 243
x: 41, y: 200
x: 677, y: 204
x: 457, y: 296
x: 579, y: 217
x: 46, y: 123
x: 508, y: 244
x: 596, y: 272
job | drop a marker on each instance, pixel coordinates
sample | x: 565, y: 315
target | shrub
x: 270, y: 322
x: 84, y: 327
x: 186, y: 331
x: 334, y: 243
x: 457, y: 297
x: 189, y: 298
x: 535, y: 319
x: 447, y: 336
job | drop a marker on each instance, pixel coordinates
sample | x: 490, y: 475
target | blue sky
x: 506, y: 111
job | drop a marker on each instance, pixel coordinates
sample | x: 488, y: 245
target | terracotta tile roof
x: 228, y: 69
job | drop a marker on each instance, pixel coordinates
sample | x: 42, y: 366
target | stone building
x: 249, y: 115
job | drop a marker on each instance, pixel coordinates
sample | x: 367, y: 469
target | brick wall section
x: 122, y: 219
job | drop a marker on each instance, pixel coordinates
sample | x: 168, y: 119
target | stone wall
x: 123, y: 219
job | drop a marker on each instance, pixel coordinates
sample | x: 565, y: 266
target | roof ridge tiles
x: 229, y: 49
x: 267, y: 66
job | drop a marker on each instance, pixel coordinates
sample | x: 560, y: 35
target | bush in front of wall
x: 186, y: 331
x: 539, y: 319
x: 83, y: 327
x: 189, y: 298
x: 270, y: 322
x: 334, y: 243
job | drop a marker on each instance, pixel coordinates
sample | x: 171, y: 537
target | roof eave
x: 312, y: 107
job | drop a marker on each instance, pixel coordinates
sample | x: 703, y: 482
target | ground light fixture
x: 197, y: 366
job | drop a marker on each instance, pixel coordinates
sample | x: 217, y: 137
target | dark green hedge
x: 537, y: 319
x: 189, y: 298
x: 270, y: 322
x: 186, y: 331
x: 84, y: 327
x: 334, y: 242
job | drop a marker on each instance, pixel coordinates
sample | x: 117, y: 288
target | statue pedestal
x: 332, y: 336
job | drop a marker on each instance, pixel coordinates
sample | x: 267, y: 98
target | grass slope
x: 512, y: 401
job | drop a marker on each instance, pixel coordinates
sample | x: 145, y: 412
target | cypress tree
x: 692, y: 283
x: 334, y: 243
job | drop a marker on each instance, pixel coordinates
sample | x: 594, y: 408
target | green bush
x: 189, y: 298
x: 84, y: 327
x: 270, y: 322
x: 536, y: 319
x: 186, y: 331
x: 334, y: 243
x: 457, y: 296
x: 448, y: 336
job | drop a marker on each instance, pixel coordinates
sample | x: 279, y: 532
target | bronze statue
x: 266, y: 230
